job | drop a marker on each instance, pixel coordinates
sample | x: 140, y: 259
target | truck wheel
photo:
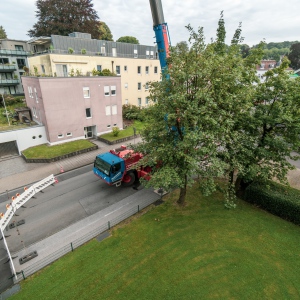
x: 128, y: 179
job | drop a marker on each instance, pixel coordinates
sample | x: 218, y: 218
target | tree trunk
x: 181, y: 200
x: 240, y: 187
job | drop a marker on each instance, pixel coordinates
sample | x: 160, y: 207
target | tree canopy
x: 294, y: 56
x: 104, y: 32
x: 212, y: 117
x: 64, y: 17
x: 128, y: 39
x: 3, y: 34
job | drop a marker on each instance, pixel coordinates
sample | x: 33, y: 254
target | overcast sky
x: 274, y: 21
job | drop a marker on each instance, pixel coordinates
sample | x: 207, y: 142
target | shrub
x: 133, y: 112
x: 106, y: 72
x: 115, y: 131
x: 278, y: 199
x: 70, y: 50
x: 83, y: 51
x: 10, y: 100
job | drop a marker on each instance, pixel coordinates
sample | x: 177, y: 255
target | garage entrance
x: 8, y: 150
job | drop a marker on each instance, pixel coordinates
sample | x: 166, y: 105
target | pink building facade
x: 73, y: 108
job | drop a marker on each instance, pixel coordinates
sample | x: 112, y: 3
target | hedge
x: 278, y: 199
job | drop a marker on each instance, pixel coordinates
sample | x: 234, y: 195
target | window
x: 61, y: 70
x: 135, y: 53
x: 60, y: 135
x: 34, y: 112
x: 139, y: 101
x: 118, y: 70
x: 106, y: 90
x: 113, y: 90
x: 125, y: 68
x: 139, y: 86
x: 147, y: 101
x: 43, y: 69
x: 36, y: 96
x: 99, y: 68
x: 139, y: 69
x: 88, y: 113
x: 21, y: 63
x: 86, y: 92
x: 30, y: 92
x: 126, y: 101
x: 19, y: 47
x: 114, y: 52
x: 69, y: 134
x: 146, y: 86
x: 151, y: 54
x: 103, y: 50
x: 147, y: 70
x: 155, y: 70
x: 4, y: 60
x: 108, y: 126
x: 107, y: 110
x: 126, y: 85
x: 114, y: 109
x: 147, y: 54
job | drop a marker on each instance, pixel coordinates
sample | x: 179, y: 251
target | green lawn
x: 201, y: 251
x: 124, y: 133
x: 46, y: 151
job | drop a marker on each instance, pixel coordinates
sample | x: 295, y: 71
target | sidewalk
x: 15, y: 172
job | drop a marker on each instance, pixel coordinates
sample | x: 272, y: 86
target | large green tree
x: 3, y: 34
x: 104, y: 32
x: 273, y: 128
x: 64, y: 17
x: 294, y: 56
x: 128, y: 39
x: 194, y: 111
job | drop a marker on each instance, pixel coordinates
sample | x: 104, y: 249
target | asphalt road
x: 78, y: 194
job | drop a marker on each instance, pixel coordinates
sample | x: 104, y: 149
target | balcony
x: 14, y: 52
x: 7, y: 68
x: 6, y: 82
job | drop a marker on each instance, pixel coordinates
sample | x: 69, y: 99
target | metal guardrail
x: 90, y: 53
x: 8, y: 67
x: 80, y: 241
x: 9, y: 81
x: 14, y: 52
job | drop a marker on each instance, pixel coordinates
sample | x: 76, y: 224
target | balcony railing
x: 14, y: 52
x: 7, y: 68
x: 6, y: 82
x: 90, y: 53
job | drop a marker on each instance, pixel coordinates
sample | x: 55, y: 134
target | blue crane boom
x: 160, y: 28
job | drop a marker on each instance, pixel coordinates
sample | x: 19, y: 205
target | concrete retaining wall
x: 119, y: 140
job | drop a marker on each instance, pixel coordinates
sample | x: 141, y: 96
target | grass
x: 125, y: 132
x: 200, y: 251
x: 46, y: 151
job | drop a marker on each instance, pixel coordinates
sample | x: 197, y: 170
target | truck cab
x: 109, y: 168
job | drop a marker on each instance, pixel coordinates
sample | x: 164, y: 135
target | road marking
x: 117, y: 209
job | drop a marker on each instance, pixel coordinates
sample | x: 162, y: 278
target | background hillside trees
x: 128, y: 39
x: 64, y: 17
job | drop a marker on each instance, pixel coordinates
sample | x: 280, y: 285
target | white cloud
x: 274, y: 21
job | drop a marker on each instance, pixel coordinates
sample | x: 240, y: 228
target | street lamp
x: 5, y: 109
